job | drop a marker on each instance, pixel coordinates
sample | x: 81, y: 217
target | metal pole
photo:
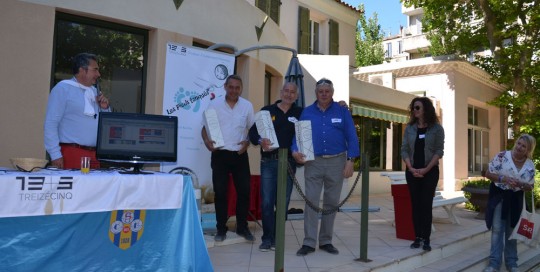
x: 280, y: 210
x: 364, y: 210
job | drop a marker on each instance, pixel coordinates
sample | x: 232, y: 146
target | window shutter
x: 334, y: 37
x: 303, y: 30
x: 275, y: 5
x: 261, y: 4
x: 270, y: 7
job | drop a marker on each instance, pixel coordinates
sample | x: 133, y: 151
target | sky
x: 388, y: 13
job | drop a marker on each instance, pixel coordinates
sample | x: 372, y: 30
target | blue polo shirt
x: 333, y: 130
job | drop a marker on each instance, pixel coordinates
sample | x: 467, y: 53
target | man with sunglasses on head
x: 71, y: 120
x: 335, y: 146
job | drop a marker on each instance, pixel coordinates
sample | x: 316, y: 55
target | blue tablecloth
x: 171, y: 240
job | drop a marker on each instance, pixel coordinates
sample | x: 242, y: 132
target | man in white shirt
x: 235, y: 115
x: 71, y: 120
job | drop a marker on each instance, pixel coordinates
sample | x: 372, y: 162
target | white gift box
x: 212, y: 128
x: 265, y: 128
x: 304, y: 139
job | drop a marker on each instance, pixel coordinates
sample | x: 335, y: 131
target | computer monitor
x: 136, y: 139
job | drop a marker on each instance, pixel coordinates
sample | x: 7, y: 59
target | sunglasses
x: 324, y: 81
x: 417, y: 108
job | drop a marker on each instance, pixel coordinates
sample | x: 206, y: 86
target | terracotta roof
x: 349, y: 6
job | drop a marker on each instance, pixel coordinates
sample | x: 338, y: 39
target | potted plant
x: 477, y: 192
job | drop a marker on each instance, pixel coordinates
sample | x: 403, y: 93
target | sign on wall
x: 193, y: 77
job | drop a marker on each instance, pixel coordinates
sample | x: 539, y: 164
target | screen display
x: 139, y: 138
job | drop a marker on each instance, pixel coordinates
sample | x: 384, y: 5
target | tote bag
x: 527, y: 228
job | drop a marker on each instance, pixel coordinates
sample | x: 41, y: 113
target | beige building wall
x: 27, y: 50
x: 26, y: 53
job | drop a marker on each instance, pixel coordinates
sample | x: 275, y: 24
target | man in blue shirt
x: 335, y: 145
x: 72, y: 115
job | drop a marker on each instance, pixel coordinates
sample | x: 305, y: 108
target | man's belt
x: 273, y: 156
x: 332, y: 156
x: 90, y: 148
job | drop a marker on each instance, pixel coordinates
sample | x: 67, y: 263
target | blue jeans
x: 500, y: 231
x: 269, y: 175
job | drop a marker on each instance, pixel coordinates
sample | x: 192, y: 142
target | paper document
x: 212, y: 128
x: 304, y: 139
x: 265, y: 128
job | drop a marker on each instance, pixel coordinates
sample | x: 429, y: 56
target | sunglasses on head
x: 417, y: 108
x: 324, y: 81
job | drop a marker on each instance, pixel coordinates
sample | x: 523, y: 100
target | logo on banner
x: 180, y: 50
x: 126, y: 227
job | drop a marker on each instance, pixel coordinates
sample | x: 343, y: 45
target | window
x: 372, y: 135
x: 314, y: 39
x: 400, y: 47
x: 121, y: 52
x: 270, y: 7
x: 478, y: 140
x: 388, y: 53
x: 309, y: 34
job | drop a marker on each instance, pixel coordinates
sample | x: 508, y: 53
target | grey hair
x: 82, y: 60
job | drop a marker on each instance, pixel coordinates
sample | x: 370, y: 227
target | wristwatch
x: 350, y: 158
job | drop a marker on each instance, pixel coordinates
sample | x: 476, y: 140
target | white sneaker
x: 490, y: 269
x: 513, y: 269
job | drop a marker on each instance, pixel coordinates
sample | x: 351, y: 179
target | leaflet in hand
x: 212, y: 128
x: 304, y: 139
x: 265, y: 128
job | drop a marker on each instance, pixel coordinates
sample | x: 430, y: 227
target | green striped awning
x: 380, y: 114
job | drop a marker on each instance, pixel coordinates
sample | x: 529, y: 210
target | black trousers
x: 422, y: 191
x: 223, y: 163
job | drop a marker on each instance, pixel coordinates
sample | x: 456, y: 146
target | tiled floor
x: 235, y: 254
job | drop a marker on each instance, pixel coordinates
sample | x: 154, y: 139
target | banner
x: 123, y: 240
x: 193, y: 77
x: 50, y: 192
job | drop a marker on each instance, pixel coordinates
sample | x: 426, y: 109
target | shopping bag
x: 527, y: 227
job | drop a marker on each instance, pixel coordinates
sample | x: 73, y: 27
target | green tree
x: 369, y: 37
x: 510, y: 30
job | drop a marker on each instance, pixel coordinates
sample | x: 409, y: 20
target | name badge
x: 336, y: 120
x: 421, y: 136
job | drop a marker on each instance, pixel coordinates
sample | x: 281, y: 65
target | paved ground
x: 384, y: 249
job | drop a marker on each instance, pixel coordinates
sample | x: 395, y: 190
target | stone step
x: 528, y: 258
x: 444, y: 258
x: 469, y: 254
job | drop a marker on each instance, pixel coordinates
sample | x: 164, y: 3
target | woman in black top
x: 423, y: 146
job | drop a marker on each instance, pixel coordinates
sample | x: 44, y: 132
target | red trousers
x: 72, y: 157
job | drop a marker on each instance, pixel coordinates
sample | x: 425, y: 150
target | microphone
x: 98, y: 88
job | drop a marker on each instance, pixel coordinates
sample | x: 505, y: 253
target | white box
x: 304, y: 139
x: 212, y: 128
x: 265, y: 127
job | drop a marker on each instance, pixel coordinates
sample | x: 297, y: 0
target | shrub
x: 484, y: 183
x: 475, y: 183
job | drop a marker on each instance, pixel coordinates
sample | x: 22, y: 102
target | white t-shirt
x: 234, y: 122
